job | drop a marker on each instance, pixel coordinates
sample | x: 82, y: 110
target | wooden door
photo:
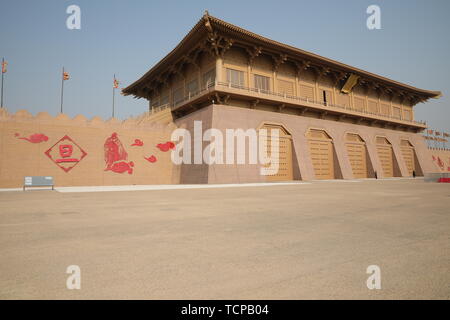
x: 408, y: 156
x: 321, y: 150
x: 285, y: 166
x: 385, y: 154
x: 356, y: 150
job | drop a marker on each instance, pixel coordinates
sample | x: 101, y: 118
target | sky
x: 127, y: 38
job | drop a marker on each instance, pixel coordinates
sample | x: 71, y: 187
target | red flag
x: 4, y: 64
x: 430, y: 131
x: 66, y: 75
x: 116, y: 83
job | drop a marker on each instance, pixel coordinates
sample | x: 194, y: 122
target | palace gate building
x: 336, y: 121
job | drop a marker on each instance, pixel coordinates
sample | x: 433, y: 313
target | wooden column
x: 219, y: 69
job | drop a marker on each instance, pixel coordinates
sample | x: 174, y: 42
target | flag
x: 66, y: 75
x: 437, y: 133
x: 4, y: 64
x: 430, y: 131
x: 115, y: 83
x: 446, y: 134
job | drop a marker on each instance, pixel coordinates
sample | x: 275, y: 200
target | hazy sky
x: 129, y: 37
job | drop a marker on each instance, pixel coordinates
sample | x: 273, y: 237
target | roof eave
x: 225, y: 26
x: 198, y: 26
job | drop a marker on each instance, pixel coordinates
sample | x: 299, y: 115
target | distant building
x: 337, y: 121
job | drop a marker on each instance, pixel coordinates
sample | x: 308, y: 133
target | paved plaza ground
x: 290, y: 241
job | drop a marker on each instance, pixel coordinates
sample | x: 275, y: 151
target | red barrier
x: 445, y: 180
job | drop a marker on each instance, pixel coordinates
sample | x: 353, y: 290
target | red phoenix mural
x: 151, y: 159
x: 116, y: 157
x: 66, y: 153
x: 34, y: 138
x: 137, y: 143
x: 164, y: 147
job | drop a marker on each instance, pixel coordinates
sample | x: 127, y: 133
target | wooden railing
x: 288, y: 98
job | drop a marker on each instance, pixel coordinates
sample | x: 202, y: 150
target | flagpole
x: 114, y: 89
x: 62, y: 89
x: 3, y: 62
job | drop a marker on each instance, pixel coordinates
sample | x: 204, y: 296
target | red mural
x: 65, y: 153
x: 164, y: 147
x: 137, y: 143
x: 122, y: 166
x: 151, y: 159
x: 34, y: 138
x: 116, y: 157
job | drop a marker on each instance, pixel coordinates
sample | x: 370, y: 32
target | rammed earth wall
x: 89, y: 155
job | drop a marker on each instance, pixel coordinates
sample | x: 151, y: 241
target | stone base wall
x: 229, y: 117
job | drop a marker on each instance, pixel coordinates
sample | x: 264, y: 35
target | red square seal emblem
x: 66, y: 153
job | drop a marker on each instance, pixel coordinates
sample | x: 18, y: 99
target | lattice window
x: 326, y: 97
x: 396, y: 112
x: 262, y: 82
x: 407, y: 114
x: 164, y: 100
x: 384, y: 109
x: 235, y: 77
x: 285, y: 87
x: 372, y: 106
x: 343, y: 100
x: 359, y: 103
x: 209, y: 78
x: 307, y: 92
x: 177, y: 95
x: 192, y: 87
